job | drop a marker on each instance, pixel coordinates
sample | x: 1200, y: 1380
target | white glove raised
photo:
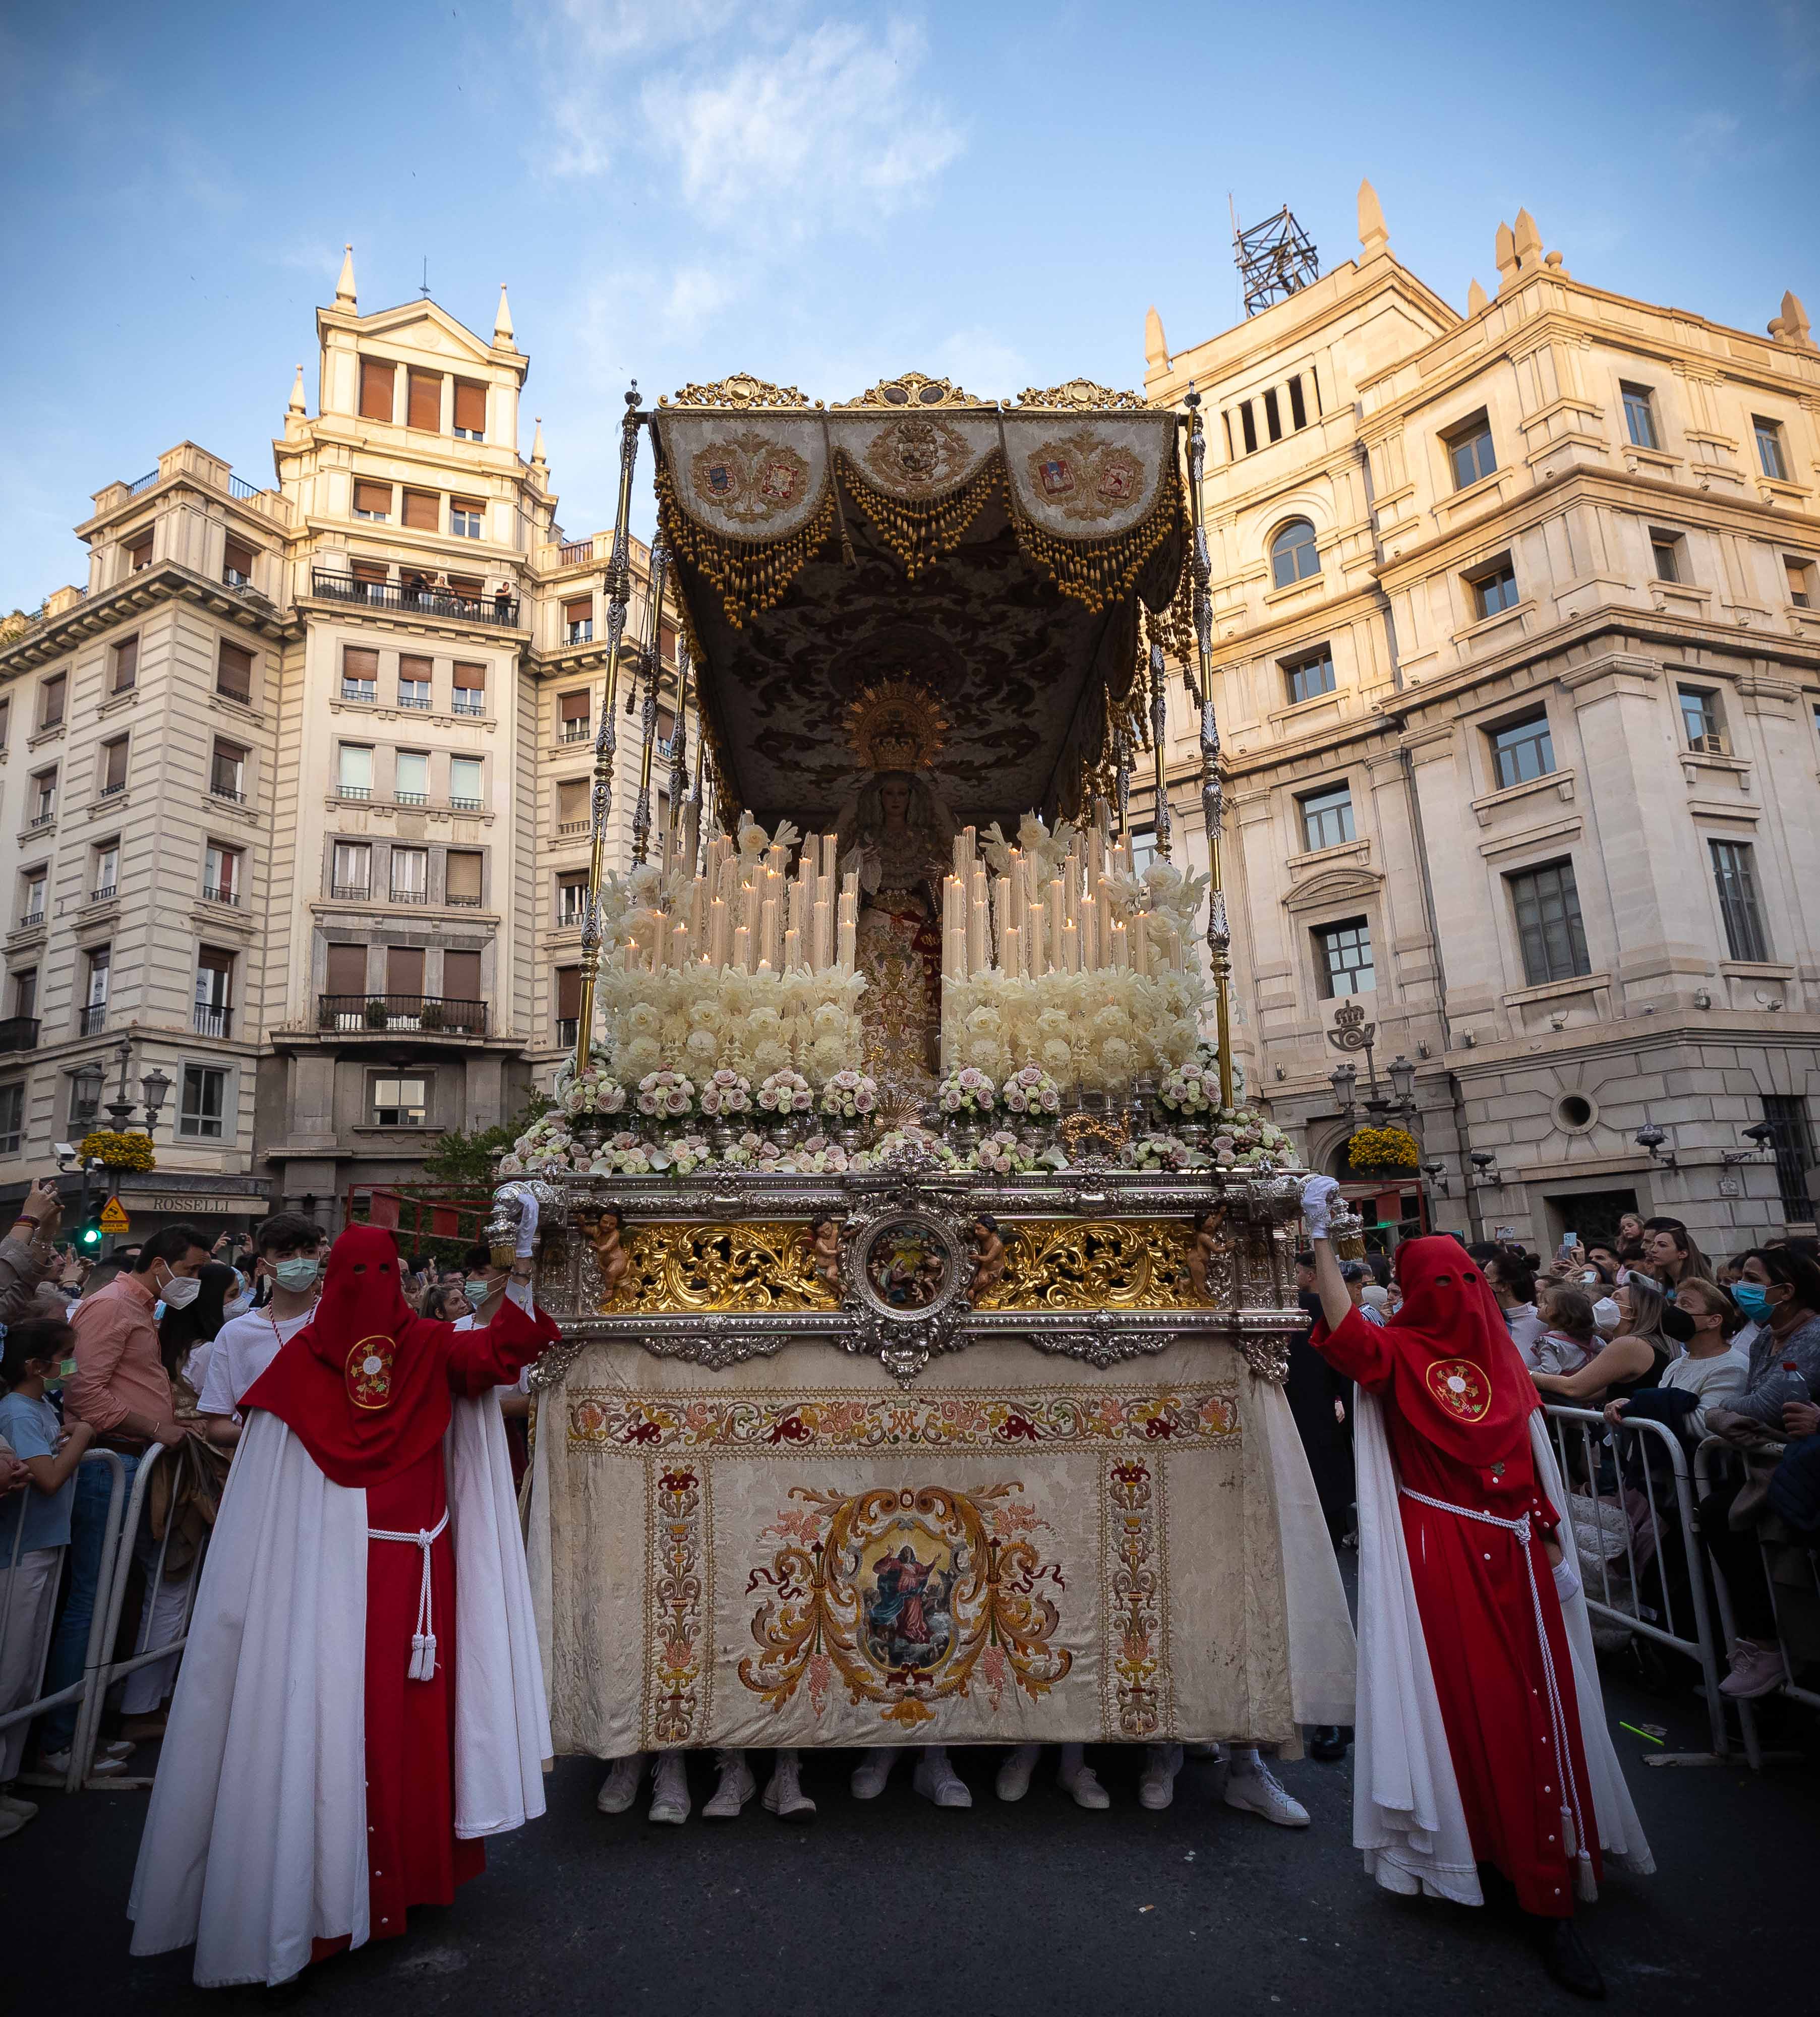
x: 1320, y: 1197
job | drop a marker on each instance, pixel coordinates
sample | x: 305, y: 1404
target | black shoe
x: 1328, y: 1743
x: 1565, y: 1956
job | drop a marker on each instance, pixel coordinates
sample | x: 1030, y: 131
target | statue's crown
x: 897, y: 725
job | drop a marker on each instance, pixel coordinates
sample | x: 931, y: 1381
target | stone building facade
x: 293, y: 789
x: 1517, y: 640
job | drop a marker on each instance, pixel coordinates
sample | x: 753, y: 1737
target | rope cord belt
x: 423, y: 1660
x: 1572, y: 1820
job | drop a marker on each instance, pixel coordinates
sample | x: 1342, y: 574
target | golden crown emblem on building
x: 897, y: 725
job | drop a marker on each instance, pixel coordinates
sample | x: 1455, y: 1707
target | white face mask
x: 181, y: 1291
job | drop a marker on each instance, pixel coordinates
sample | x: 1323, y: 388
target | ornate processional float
x: 925, y: 1287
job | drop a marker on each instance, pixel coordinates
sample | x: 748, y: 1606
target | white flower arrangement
x: 1189, y: 1090
x: 1093, y: 1032
x: 849, y: 1095
x: 593, y: 1090
x: 1244, y: 1139
x: 726, y: 1092
x: 697, y: 1020
x: 666, y: 1095
x: 908, y: 1140
x: 967, y: 1090
x: 1030, y: 1090
x: 1161, y: 1152
x: 785, y: 1092
x: 681, y: 1158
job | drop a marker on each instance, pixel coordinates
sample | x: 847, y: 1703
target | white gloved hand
x: 1320, y: 1197
x: 1567, y: 1582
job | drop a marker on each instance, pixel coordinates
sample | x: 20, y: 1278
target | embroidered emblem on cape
x: 369, y: 1371
x: 1086, y: 479
x: 918, y: 455
x: 1461, y: 1387
x: 750, y: 477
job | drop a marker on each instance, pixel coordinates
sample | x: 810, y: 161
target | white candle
x: 1002, y: 905
x: 679, y: 945
x: 823, y: 955
x: 1057, y: 918
x: 1140, y: 942
x: 769, y: 947
x: 1011, y: 950
x: 849, y: 944
x: 1039, y: 939
x: 792, y: 951
x: 742, y: 949
x: 1071, y: 948
x: 1089, y: 934
x: 1121, y: 951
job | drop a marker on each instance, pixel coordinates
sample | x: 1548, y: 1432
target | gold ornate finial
x: 912, y: 389
x: 739, y: 391
x: 897, y: 725
x: 1080, y: 396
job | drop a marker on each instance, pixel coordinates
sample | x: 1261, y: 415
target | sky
x: 818, y: 192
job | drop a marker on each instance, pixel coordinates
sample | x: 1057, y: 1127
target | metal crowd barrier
x: 1615, y: 1579
x: 85, y: 1689
x: 1709, y: 1457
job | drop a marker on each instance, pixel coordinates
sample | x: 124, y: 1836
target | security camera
x: 64, y: 1151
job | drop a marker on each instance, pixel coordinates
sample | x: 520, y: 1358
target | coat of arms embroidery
x: 1089, y: 480
x: 748, y: 477
x: 1461, y: 1387
x: 369, y: 1371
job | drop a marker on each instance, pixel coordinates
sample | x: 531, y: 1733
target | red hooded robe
x: 1456, y: 1401
x: 366, y: 1387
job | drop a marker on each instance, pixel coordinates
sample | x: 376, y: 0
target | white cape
x: 1407, y: 1817
x: 255, y: 1843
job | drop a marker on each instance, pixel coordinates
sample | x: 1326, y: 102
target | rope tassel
x: 422, y: 1665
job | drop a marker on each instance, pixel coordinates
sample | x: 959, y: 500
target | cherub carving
x: 1208, y: 1242
x: 989, y: 1261
x: 602, y: 1232
x: 824, y: 1246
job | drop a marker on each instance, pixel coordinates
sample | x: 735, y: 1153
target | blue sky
x: 821, y: 193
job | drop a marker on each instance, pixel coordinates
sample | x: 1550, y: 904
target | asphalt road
x: 1020, y: 1911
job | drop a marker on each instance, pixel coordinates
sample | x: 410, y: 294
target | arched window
x: 1293, y: 555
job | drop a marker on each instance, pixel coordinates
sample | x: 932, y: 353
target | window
x: 204, y: 1102
x: 1699, y: 719
x: 1792, y: 1143
x: 1310, y: 674
x: 666, y: 643
x: 572, y: 806
x: 1799, y: 574
x: 462, y: 878
x: 351, y: 873
x: 400, y: 1103
x: 1248, y: 428
x: 1494, y: 589
x: 236, y: 564
x: 1298, y: 406
x: 411, y: 780
x: 410, y: 874
x: 572, y: 896
x: 227, y: 771
x: 1293, y: 554
x: 1547, y: 903
x: 378, y: 387
x: 470, y: 409
x: 1666, y: 554
x: 104, y: 884
x: 5, y: 720
x: 413, y: 682
x: 1272, y: 414
x: 461, y: 977
x: 1344, y: 955
x: 568, y: 1003
x: 370, y: 579
x: 1640, y: 415
x: 470, y: 694
x: 12, y: 1116
x: 1735, y: 875
x: 1470, y: 454
x: 665, y: 728
x: 25, y: 993
x: 464, y: 783
x: 94, y: 1012
x: 44, y: 797
x: 577, y: 618
x: 1522, y: 749
x: 214, y: 977
x: 31, y: 911
x: 52, y: 698
x: 359, y: 673
x: 466, y: 517
x: 354, y: 771
x: 421, y: 510
x: 126, y: 665
x: 233, y: 673
x: 138, y: 550
x: 575, y: 713
x: 346, y: 973
x: 372, y: 501
x: 423, y: 401
x: 404, y: 972
x: 113, y: 767
x: 220, y: 874
x: 1769, y: 448
x: 1326, y: 817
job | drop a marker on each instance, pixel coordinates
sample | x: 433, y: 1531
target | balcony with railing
x: 238, y: 486
x: 578, y: 728
x: 502, y: 610
x: 379, y: 1014
x: 567, y: 1029
x: 92, y: 1021
x: 221, y: 892
x: 351, y: 892
x: 19, y: 1033
x: 214, y: 1020
x: 575, y: 551
x: 468, y: 701
x: 465, y: 805
x: 141, y: 483
x: 571, y: 826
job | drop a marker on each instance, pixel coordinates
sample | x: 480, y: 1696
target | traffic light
x: 88, y: 1240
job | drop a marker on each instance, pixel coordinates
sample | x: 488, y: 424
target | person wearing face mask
x: 290, y: 1249
x: 120, y: 1389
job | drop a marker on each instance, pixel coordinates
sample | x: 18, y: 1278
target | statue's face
x: 894, y: 796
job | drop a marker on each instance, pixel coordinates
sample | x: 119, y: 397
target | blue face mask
x: 1752, y: 1298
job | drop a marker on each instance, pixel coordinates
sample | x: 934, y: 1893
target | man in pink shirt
x: 119, y: 1388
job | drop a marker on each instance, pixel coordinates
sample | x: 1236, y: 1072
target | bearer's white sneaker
x: 10, y: 1824
x: 872, y: 1772
x: 784, y: 1796
x: 1013, y: 1780
x: 1085, y: 1787
x: 1255, y: 1791
x: 11, y: 1804
x: 619, y: 1788
x: 52, y: 1769
x: 1156, y: 1788
x: 937, y: 1780
x: 669, y: 1796
x: 737, y: 1786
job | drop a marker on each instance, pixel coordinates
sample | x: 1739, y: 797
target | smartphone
x: 1570, y: 1240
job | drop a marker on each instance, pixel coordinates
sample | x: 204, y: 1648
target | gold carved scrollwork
x: 1079, y: 395
x: 912, y: 389
x: 1103, y: 1264
x: 686, y: 1268
x: 742, y: 390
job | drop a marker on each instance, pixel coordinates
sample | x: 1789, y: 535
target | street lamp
x: 154, y: 1088
x: 1344, y: 1079
x: 1651, y: 1136
x: 1401, y: 1074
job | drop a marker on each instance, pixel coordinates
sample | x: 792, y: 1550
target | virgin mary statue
x: 898, y: 836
